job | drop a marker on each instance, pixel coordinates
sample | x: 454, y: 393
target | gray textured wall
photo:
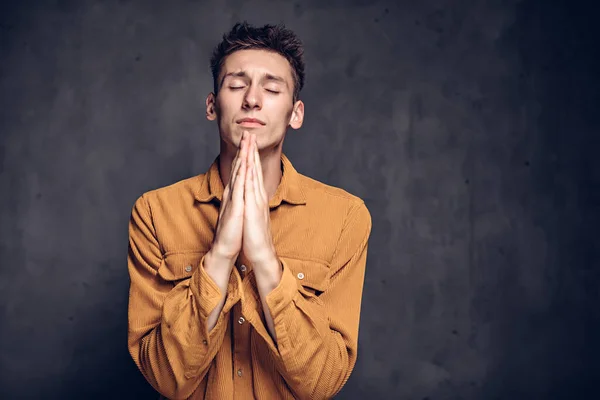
x: 470, y: 129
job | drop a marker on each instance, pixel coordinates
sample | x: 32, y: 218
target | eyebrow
x: 266, y: 75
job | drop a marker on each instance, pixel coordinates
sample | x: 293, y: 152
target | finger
x: 238, y: 163
x: 233, y: 173
x: 236, y: 168
x: 255, y: 181
x: 225, y: 196
x: 238, y: 190
x: 259, y: 174
x: 249, y: 189
x: 256, y: 189
x: 234, y: 163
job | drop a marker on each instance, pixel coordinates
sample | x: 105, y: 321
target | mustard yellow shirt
x: 320, y: 233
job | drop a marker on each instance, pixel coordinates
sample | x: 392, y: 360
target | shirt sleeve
x: 168, y: 337
x: 317, y: 335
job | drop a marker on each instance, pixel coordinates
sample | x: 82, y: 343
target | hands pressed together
x: 244, y: 223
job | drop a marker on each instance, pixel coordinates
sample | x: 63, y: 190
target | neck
x: 270, y: 160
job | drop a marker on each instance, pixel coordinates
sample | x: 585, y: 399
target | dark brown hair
x: 276, y: 38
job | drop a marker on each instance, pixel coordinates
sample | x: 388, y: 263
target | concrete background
x: 470, y: 129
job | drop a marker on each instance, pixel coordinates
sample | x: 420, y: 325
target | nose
x: 252, y: 98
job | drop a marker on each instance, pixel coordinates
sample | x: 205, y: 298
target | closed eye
x: 241, y: 87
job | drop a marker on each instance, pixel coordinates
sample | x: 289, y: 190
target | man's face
x: 255, y: 84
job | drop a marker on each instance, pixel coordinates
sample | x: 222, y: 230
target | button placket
x: 241, y: 342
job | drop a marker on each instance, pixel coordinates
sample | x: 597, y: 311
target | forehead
x: 257, y: 62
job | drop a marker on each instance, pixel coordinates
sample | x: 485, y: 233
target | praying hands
x: 244, y: 224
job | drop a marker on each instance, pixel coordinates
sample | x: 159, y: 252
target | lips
x: 250, y: 121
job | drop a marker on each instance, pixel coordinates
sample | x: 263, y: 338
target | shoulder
x: 177, y: 193
x: 335, y: 200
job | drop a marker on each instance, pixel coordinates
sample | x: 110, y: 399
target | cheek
x: 225, y: 104
x: 286, y: 115
x: 283, y: 113
x: 226, y: 116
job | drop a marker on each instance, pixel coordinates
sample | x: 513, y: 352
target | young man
x: 246, y: 281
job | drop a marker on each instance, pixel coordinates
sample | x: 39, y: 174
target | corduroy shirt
x: 320, y: 234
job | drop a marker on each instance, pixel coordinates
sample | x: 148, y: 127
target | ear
x: 297, y: 116
x: 211, y: 107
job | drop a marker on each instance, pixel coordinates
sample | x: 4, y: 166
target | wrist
x: 268, y: 275
x: 214, y: 258
x: 265, y: 257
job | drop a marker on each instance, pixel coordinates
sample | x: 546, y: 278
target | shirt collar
x: 289, y: 190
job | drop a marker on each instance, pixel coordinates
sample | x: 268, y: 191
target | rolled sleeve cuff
x: 283, y: 294
x: 205, y: 290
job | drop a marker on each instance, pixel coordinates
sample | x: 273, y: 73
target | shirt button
x: 204, y: 342
x: 241, y: 320
x: 239, y: 372
x: 188, y: 268
x: 243, y: 268
x: 300, y: 275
